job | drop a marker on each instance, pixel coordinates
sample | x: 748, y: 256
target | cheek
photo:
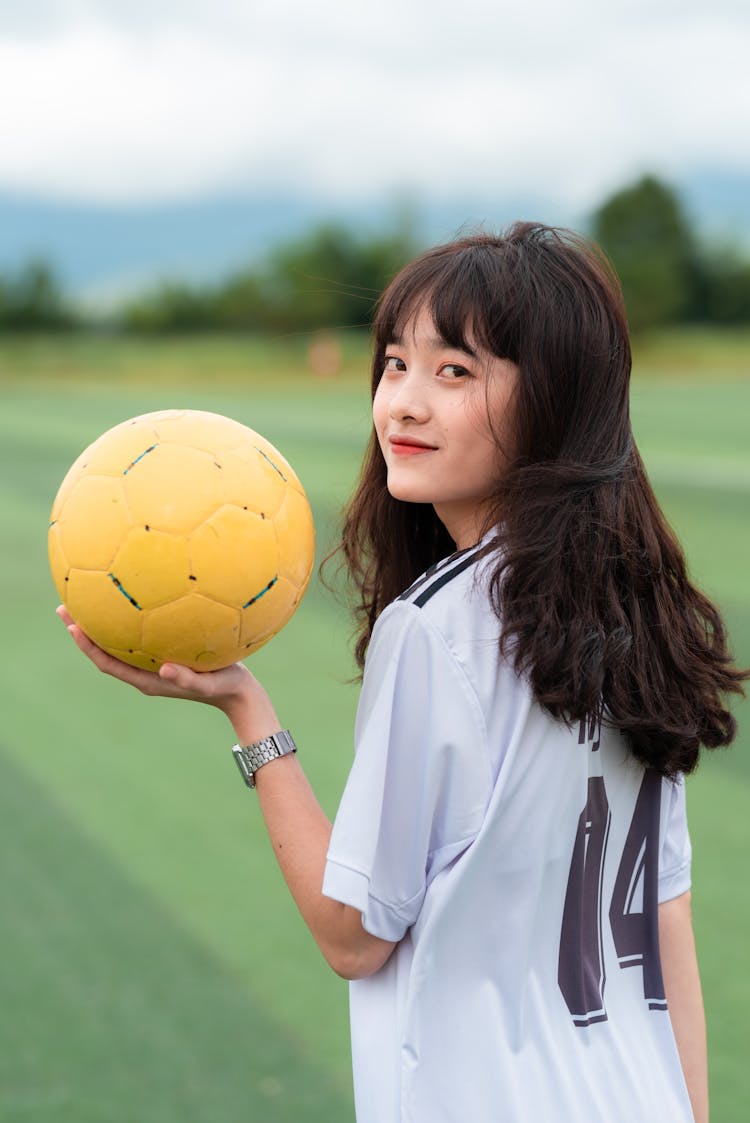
x: 487, y: 437
x: 479, y: 427
x: 379, y: 411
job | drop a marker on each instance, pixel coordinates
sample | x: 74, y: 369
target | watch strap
x: 250, y: 758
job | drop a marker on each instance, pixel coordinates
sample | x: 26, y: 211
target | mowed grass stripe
x: 111, y: 1013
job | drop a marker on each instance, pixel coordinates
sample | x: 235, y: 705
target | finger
x: 179, y: 676
x: 188, y: 682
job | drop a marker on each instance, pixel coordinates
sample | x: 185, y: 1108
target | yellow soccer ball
x: 181, y: 536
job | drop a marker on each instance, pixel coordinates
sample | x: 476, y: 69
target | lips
x: 409, y: 446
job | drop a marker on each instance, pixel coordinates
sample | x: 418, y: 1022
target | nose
x: 409, y: 400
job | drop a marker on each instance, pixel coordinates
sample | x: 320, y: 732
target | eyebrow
x: 436, y: 343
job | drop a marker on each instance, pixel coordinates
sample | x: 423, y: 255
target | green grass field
x: 153, y: 965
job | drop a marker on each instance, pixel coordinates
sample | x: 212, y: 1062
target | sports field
x: 153, y: 967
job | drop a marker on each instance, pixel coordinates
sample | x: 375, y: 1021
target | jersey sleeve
x: 675, y: 851
x: 420, y: 783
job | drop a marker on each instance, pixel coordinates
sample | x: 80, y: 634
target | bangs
x: 468, y: 291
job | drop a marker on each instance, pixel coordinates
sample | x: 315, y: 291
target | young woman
x: 507, y: 880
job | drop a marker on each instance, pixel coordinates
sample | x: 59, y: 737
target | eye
x: 392, y: 363
x: 453, y: 371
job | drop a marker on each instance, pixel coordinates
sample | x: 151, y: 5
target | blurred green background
x: 154, y: 966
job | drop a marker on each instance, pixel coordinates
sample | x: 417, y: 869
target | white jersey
x: 518, y: 863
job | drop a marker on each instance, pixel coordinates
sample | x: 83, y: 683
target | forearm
x: 300, y: 832
x: 684, y: 998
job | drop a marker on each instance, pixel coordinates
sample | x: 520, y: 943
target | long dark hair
x: 589, y: 582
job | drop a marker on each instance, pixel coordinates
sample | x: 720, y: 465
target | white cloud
x: 123, y: 100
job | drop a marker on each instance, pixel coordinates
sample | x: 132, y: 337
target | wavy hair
x: 588, y: 581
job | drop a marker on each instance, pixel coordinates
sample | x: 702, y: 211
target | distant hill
x: 102, y: 254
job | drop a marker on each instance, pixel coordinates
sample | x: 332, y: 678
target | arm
x: 300, y: 832
x: 298, y: 829
x: 683, y: 991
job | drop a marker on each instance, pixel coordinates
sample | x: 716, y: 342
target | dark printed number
x: 580, y: 969
x: 633, y: 910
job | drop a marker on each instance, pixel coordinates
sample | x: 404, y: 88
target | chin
x: 406, y: 494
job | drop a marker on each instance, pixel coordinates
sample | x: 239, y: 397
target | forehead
x: 466, y: 313
x: 420, y: 330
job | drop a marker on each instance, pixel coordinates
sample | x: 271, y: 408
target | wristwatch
x: 252, y: 757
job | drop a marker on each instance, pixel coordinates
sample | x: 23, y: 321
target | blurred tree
x: 32, y: 300
x: 332, y: 278
x: 173, y: 306
x: 241, y: 303
x: 329, y: 278
x: 645, y: 232
x: 726, y: 287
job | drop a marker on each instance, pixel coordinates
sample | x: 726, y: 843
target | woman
x: 507, y: 879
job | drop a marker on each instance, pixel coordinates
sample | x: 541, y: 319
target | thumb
x: 200, y: 686
x: 176, y: 675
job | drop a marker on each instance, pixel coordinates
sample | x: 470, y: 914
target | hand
x: 233, y: 690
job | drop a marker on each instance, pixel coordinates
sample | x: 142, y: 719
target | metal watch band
x: 252, y: 757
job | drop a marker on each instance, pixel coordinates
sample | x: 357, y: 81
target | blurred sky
x: 146, y: 100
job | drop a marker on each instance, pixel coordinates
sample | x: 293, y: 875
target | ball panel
x: 295, y: 533
x: 268, y: 614
x: 174, y: 488
x: 234, y: 555
x: 117, y: 450
x: 137, y: 658
x: 194, y: 631
x: 249, y: 480
x: 153, y: 567
x: 101, y: 608
x: 282, y: 466
x: 209, y: 432
x: 93, y: 521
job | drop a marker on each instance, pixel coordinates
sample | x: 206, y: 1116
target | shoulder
x: 449, y: 578
x: 438, y: 606
x: 453, y: 600
x: 427, y: 625
x: 444, y: 620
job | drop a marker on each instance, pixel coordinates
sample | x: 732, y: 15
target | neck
x: 464, y: 526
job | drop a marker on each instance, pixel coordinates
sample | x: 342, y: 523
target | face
x: 432, y: 413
